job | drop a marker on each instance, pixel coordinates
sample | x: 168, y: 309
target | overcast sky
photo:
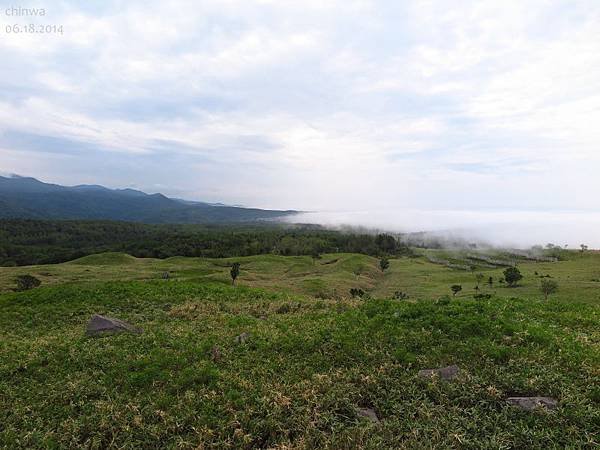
x: 314, y: 105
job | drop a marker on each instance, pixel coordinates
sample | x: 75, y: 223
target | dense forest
x: 25, y: 242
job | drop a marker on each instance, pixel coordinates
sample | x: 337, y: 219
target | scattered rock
x: 445, y: 373
x: 531, y: 403
x: 101, y: 325
x: 215, y: 354
x: 368, y: 413
x: 242, y: 338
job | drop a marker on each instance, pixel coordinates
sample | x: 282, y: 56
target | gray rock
x: 215, y: 354
x: 368, y: 413
x: 445, y: 373
x: 531, y: 403
x: 242, y: 338
x: 101, y: 325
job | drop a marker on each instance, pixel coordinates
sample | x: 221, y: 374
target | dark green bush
x: 26, y: 282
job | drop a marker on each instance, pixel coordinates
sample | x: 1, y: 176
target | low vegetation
x: 289, y: 358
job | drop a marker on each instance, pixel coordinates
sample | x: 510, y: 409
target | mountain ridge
x: 29, y: 198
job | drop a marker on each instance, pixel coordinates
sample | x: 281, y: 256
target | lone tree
x: 548, y: 287
x: 512, y: 275
x: 479, y: 278
x: 234, y: 272
x: 455, y: 288
x: 583, y: 248
x: 314, y: 254
x: 490, y: 281
x: 384, y: 263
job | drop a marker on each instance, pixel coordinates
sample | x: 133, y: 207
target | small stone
x: 445, y: 373
x: 242, y: 338
x: 215, y: 354
x: 101, y: 325
x: 531, y: 403
x: 368, y: 413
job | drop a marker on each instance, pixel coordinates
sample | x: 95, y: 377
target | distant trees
x: 455, y: 288
x: 29, y: 242
x: 386, y: 243
x: 512, y: 275
x: 583, y: 248
x: 384, y: 263
x: 548, y: 287
x: 234, y: 272
x: 26, y: 282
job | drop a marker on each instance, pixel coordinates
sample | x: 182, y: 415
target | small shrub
x: 482, y: 296
x: 548, y: 287
x: 384, y: 263
x: 357, y: 292
x: 26, y: 282
x: 283, y: 309
x: 455, y: 288
x: 234, y: 272
x: 404, y: 356
x: 399, y: 295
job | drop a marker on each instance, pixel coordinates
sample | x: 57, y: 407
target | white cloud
x: 320, y: 104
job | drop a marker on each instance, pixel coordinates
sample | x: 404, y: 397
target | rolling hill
x: 28, y: 198
x: 287, y: 359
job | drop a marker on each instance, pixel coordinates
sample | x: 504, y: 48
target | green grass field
x: 314, y: 354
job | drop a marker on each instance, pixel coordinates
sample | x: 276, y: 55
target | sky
x: 317, y: 105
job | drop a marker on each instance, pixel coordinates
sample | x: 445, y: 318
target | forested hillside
x: 28, y: 198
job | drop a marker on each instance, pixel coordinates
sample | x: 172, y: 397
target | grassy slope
x: 330, y: 277
x: 309, y: 362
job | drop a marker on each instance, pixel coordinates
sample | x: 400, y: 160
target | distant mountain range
x: 25, y: 197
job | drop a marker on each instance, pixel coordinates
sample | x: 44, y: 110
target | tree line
x: 26, y: 242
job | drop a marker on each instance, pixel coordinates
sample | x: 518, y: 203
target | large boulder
x: 531, y: 403
x: 102, y: 325
x: 445, y: 373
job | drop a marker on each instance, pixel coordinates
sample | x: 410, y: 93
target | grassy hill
x: 314, y: 355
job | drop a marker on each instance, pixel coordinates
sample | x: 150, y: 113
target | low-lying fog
x: 518, y: 229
